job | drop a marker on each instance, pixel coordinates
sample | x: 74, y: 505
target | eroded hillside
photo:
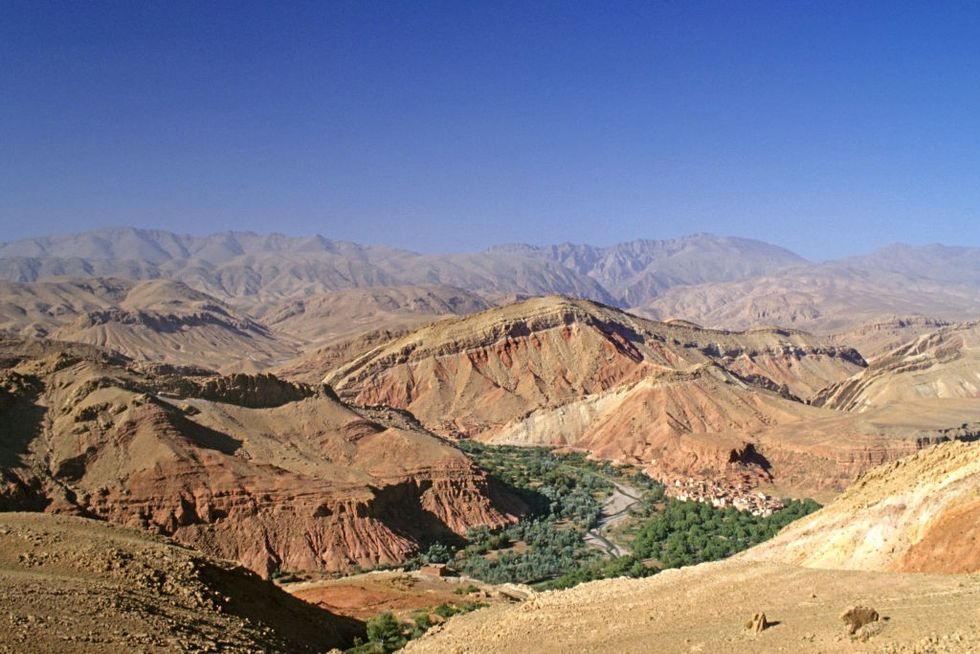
x: 943, y: 364
x: 274, y: 475
x: 918, y: 514
x: 674, y: 398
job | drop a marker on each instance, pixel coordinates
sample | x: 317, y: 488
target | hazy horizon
x: 206, y: 233
x: 829, y: 129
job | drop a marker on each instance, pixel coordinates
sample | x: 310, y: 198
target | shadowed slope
x: 299, y: 481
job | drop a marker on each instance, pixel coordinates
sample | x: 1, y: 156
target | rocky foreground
x: 75, y: 585
x: 704, y: 609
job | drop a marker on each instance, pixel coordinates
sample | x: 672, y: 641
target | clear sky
x: 830, y: 128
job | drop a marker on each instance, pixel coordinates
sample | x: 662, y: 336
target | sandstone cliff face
x: 304, y: 483
x: 472, y: 375
x: 919, y: 514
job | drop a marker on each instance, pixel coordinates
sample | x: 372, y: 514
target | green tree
x: 385, y: 630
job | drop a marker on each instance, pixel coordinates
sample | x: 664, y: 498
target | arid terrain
x: 267, y: 473
x: 338, y: 417
x: 76, y: 585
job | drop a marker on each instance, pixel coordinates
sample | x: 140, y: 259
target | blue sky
x: 830, y: 128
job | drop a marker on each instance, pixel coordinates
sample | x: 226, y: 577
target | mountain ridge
x: 719, y: 281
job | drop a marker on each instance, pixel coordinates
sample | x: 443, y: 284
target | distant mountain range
x: 716, y: 281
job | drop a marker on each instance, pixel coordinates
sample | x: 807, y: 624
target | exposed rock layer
x: 919, y: 514
x: 300, y: 484
x: 942, y: 364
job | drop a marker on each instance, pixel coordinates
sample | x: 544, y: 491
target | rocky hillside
x: 706, y: 608
x: 674, y: 398
x: 275, y: 476
x: 156, y: 320
x: 76, y: 585
x: 942, y: 364
x: 919, y: 514
x: 474, y: 374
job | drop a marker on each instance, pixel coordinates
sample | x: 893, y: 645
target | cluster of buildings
x: 723, y: 493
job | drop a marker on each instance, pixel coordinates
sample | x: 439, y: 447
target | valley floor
x: 704, y: 609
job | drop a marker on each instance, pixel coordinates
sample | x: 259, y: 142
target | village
x: 723, y: 493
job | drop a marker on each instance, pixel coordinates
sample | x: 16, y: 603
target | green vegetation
x: 566, y: 493
x: 386, y: 633
x: 685, y: 533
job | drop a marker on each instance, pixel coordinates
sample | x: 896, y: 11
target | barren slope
x: 943, y: 364
x: 74, y: 585
x: 674, y: 398
x: 919, y: 514
x: 272, y: 475
x: 704, y: 609
x: 707, y: 422
x: 155, y: 320
x: 473, y: 375
x: 675, y: 424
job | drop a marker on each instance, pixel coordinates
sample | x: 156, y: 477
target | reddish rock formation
x: 471, y: 375
x: 677, y: 399
x: 302, y: 484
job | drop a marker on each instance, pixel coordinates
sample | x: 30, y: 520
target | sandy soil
x: 704, y: 609
x: 364, y: 596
